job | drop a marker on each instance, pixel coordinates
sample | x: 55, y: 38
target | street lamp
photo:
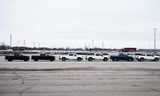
x: 155, y: 29
x: 10, y: 42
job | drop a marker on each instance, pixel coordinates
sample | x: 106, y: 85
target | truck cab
x: 72, y: 56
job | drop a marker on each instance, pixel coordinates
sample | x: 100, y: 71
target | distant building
x: 129, y: 49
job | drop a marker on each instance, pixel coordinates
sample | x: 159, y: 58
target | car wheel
x: 156, y: 59
x: 25, y: 59
x: 105, y: 59
x: 130, y: 59
x: 63, y: 59
x: 79, y: 59
x: 141, y: 59
x: 35, y: 59
x: 90, y: 59
x: 113, y: 59
x: 10, y: 60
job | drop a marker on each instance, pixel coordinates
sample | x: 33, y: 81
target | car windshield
x: 150, y: 55
x: 157, y: 54
x: 42, y: 54
x: 71, y: 54
x: 122, y: 54
x: 98, y: 55
x: 105, y: 53
x: 17, y: 54
x: 140, y: 54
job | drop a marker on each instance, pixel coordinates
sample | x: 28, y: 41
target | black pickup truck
x: 121, y: 56
x: 16, y: 56
x: 43, y: 57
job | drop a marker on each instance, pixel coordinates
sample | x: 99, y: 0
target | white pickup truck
x: 96, y: 56
x: 150, y: 57
x: 71, y: 56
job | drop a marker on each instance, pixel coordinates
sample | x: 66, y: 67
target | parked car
x: 71, y: 56
x: 157, y: 55
x: 132, y: 54
x: 43, y: 57
x: 97, y: 56
x: 16, y: 56
x: 149, y: 57
x: 121, y: 56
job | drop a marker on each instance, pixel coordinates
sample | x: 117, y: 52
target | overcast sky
x: 75, y: 23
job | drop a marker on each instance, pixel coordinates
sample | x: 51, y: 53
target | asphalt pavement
x: 72, y: 78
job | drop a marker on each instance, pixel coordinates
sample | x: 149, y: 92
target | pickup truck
x: 71, y: 56
x: 16, y: 56
x: 97, y: 56
x: 121, y: 56
x: 149, y: 57
x: 43, y: 57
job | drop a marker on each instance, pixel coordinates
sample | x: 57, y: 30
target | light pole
x: 34, y: 45
x: 10, y: 41
x: 102, y: 44
x: 24, y: 44
x: 155, y: 29
x: 92, y: 43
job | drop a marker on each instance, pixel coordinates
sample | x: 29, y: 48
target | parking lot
x: 71, y: 78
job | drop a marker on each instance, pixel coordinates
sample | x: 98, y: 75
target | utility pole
x: 10, y: 41
x: 102, y: 44
x: 34, y: 44
x: 18, y: 46
x: 24, y: 44
x: 85, y: 47
x: 39, y: 45
x: 155, y: 29
x: 92, y: 43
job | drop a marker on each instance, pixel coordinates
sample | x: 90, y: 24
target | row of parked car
x: 96, y: 56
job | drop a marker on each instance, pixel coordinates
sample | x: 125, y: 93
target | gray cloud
x: 119, y: 23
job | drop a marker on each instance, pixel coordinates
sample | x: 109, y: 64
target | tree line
x: 21, y: 48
